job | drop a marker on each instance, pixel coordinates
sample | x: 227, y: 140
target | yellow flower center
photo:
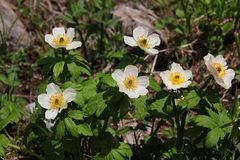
x: 56, y: 101
x: 220, y: 70
x: 143, y: 42
x: 130, y: 83
x: 177, y: 78
x: 61, y: 40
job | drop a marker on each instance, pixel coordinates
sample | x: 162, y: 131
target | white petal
x: 74, y: 45
x: 49, y: 38
x: 52, y: 89
x: 230, y: 74
x: 69, y: 95
x: 139, y: 31
x: 188, y: 74
x: 220, y: 59
x: 51, y: 114
x: 118, y: 75
x: 143, y: 81
x: 175, y: 67
x: 151, y: 51
x: 58, y: 30
x: 185, y: 84
x: 165, y: 76
x: 70, y: 33
x: 219, y: 81
x: 43, y: 100
x: 131, y: 70
x: 132, y: 94
x: 142, y: 91
x: 207, y: 57
x: 130, y: 41
x: 49, y: 124
x: 154, y: 40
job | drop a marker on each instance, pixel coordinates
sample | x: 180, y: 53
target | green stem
x: 187, y: 16
x: 26, y: 151
x: 237, y: 17
x: 83, y: 45
x: 177, y: 120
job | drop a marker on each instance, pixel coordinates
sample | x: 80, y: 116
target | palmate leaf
x: 96, y: 104
x: 191, y: 100
x: 60, y: 129
x: 140, y: 108
x: 76, y: 114
x: 58, y: 68
x: 123, y: 152
x: 213, y: 137
x: 10, y: 113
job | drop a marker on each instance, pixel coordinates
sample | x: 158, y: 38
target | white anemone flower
x: 60, y: 39
x: 55, y: 100
x: 218, y: 68
x: 142, y: 39
x: 177, y: 77
x: 129, y: 82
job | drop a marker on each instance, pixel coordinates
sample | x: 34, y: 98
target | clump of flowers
x: 142, y: 39
x: 60, y: 39
x: 177, y: 77
x: 129, y: 82
x: 55, y: 100
x: 217, y: 66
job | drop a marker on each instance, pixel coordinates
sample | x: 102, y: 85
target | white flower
x: 218, y: 68
x: 60, y: 39
x: 143, y: 40
x: 177, y: 77
x: 129, y: 82
x: 55, y: 100
x: 49, y: 123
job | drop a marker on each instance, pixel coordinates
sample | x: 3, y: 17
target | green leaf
x: 106, y: 79
x: 71, y: 126
x: 96, y: 104
x: 74, y: 69
x: 212, y: 137
x: 60, y: 130
x: 140, y: 110
x: 75, y: 114
x: 124, y: 105
x: 180, y: 13
x: 154, y: 85
x: 58, y: 68
x: 10, y: 113
x: 159, y: 103
x: 3, y: 144
x: 89, y: 89
x: 84, y: 129
x: 227, y: 27
x: 122, y: 152
x: 4, y: 79
x: 79, y: 99
x: 191, y: 100
x: 205, y: 121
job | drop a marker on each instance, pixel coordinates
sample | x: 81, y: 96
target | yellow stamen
x: 177, y: 78
x: 143, y: 42
x: 61, y: 40
x: 220, y: 70
x: 56, y: 101
x: 130, y: 83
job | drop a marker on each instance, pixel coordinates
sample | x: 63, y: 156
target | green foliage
x: 198, y: 122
